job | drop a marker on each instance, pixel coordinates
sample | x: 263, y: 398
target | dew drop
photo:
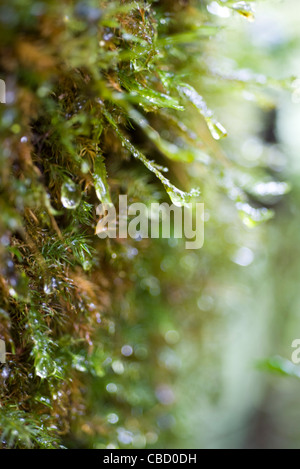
x: 87, y: 265
x: 270, y: 189
x: 100, y: 181
x: 252, y: 216
x: 111, y: 388
x: 244, y: 9
x: 176, y: 198
x: 215, y: 9
x: 85, y: 167
x: 19, y: 286
x: 127, y: 350
x: 243, y: 257
x: 50, y: 286
x: 70, y: 195
x: 124, y: 436
x: 118, y: 367
x: 41, y: 368
x: 5, y: 372
x: 100, y: 188
x: 112, y: 418
x: 216, y: 129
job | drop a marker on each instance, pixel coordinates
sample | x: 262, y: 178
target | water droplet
x: 85, y: 167
x: 87, y: 265
x: 19, y: 286
x: 100, y: 188
x: 70, y: 195
x: 215, y: 9
x: 176, y: 198
x: 243, y: 257
x: 41, y: 368
x: 79, y: 363
x: 216, y: 129
x: 180, y: 198
x: 112, y: 418
x: 132, y: 252
x: 118, y: 367
x: 98, y: 318
x: 111, y: 388
x: 5, y: 240
x: 270, y: 190
x: 50, y: 286
x: 244, y: 9
x: 124, y: 436
x: 253, y: 216
x: 127, y: 350
x: 5, y: 372
x: 44, y: 400
x: 100, y: 180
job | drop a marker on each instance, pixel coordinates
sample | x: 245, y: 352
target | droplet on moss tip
x: 70, y: 195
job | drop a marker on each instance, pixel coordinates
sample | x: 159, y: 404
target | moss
x: 98, y: 99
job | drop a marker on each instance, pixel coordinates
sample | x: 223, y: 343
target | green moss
x: 99, y: 96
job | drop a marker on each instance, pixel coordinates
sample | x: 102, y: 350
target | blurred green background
x: 253, y: 302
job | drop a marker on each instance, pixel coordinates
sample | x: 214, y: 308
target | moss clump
x: 101, y: 95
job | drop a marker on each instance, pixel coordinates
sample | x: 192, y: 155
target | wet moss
x: 96, y: 104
